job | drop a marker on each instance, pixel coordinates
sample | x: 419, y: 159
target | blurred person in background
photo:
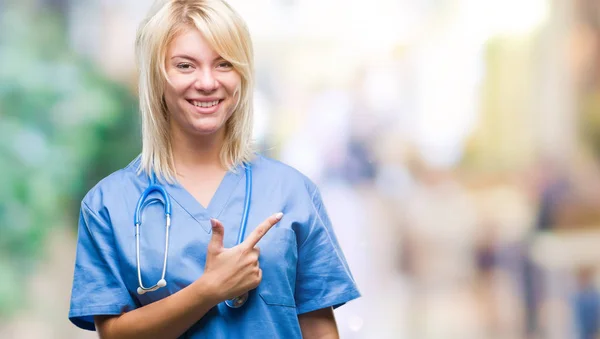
x: 586, y: 305
x: 195, y: 61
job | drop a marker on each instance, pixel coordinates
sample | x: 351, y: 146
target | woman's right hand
x: 234, y: 271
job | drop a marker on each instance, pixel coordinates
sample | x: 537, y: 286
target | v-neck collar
x: 217, y: 203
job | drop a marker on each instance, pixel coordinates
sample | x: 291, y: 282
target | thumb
x: 218, y: 232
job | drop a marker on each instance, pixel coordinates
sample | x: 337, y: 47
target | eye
x: 224, y: 65
x: 184, y: 66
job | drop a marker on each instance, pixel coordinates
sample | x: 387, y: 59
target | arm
x: 167, y: 318
x: 323, y: 278
x: 319, y: 324
x: 229, y: 272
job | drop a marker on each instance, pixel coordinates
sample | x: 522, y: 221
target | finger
x: 255, y: 279
x: 218, y: 232
x: 251, y: 258
x: 262, y: 229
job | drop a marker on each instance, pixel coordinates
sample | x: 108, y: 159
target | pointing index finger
x: 261, y: 230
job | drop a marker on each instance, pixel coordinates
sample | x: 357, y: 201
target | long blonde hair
x: 228, y: 35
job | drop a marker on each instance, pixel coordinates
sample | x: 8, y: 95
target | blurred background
x: 456, y: 144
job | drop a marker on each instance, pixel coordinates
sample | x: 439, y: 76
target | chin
x: 205, y: 129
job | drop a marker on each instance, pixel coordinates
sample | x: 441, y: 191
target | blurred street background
x: 456, y: 144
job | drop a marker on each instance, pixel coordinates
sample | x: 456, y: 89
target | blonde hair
x: 228, y: 35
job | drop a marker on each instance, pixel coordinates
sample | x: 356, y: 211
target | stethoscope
x: 155, y: 186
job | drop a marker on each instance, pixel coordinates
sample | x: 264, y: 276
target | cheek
x: 174, y: 90
x: 170, y: 99
x: 232, y: 83
x: 178, y: 85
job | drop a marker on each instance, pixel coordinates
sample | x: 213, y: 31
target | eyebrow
x: 184, y: 56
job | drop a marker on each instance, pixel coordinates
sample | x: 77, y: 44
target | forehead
x: 190, y: 42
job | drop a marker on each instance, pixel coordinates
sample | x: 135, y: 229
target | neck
x: 196, y: 153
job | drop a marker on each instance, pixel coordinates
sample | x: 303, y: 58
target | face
x: 202, y: 92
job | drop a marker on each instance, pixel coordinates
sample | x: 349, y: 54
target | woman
x: 196, y: 82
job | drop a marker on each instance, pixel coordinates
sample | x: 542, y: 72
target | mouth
x: 205, y: 104
x: 205, y: 107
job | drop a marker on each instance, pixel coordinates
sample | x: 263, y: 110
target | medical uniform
x: 303, y: 266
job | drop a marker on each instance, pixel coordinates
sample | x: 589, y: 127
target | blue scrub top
x: 303, y: 266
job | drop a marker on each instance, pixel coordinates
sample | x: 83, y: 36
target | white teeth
x: 205, y: 104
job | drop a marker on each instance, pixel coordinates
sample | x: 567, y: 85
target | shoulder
x: 281, y: 174
x: 112, y: 186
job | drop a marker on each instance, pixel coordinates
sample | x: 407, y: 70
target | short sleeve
x: 98, y: 288
x: 323, y: 278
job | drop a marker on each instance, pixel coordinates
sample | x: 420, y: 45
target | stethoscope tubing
x: 246, y: 212
x: 233, y: 303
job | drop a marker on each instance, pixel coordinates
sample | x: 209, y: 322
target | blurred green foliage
x: 63, y: 126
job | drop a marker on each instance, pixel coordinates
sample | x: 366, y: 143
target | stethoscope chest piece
x: 237, y: 302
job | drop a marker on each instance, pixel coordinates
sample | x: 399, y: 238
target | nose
x: 206, y: 81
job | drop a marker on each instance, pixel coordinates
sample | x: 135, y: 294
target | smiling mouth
x: 204, y: 104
